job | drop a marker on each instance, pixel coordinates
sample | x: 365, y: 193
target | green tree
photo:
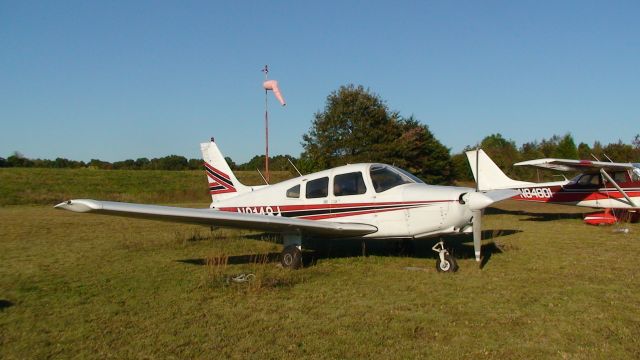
x: 549, y: 147
x: 99, y: 164
x: 619, y: 152
x: 18, y: 160
x: 356, y: 126
x: 196, y: 164
x: 502, y: 151
x: 584, y: 151
x: 566, y: 148
x: 232, y: 165
x: 419, y: 152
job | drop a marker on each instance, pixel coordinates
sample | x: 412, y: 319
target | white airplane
x: 352, y: 201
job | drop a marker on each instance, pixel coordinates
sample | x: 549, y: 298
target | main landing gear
x: 446, y: 262
x: 291, y: 257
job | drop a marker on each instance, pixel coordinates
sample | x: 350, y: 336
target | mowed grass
x: 91, y: 286
x: 19, y: 186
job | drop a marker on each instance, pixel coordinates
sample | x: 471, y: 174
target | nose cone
x: 478, y: 201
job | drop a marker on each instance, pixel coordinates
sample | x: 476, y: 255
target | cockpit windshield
x: 385, y: 177
x: 635, y: 175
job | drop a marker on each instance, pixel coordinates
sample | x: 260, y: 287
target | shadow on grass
x: 238, y: 259
x: 460, y: 246
x: 534, y: 216
x: 5, y: 304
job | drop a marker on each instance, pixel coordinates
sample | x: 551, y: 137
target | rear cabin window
x: 317, y: 188
x: 349, y: 184
x: 620, y: 176
x: 294, y: 192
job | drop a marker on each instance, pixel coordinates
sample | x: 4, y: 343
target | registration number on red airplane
x: 544, y: 193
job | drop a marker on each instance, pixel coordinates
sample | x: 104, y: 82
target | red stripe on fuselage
x: 359, y: 208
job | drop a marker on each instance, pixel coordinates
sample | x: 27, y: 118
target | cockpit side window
x: 589, y: 179
x: 349, y: 184
x: 635, y: 174
x: 386, y: 177
x: 317, y: 188
x: 294, y: 192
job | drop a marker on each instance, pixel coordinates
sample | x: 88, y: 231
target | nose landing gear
x: 446, y: 262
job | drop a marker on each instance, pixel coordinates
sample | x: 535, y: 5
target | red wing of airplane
x: 576, y: 165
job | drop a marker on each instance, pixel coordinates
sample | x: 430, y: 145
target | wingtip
x: 82, y: 205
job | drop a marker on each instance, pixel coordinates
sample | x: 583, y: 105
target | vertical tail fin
x: 491, y: 177
x: 223, y: 184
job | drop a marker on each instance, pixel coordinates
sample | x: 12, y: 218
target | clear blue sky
x: 125, y: 79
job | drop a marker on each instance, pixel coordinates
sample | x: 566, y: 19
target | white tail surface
x: 223, y: 184
x: 491, y: 177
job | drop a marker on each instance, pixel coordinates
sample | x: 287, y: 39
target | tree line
x: 356, y: 125
x: 505, y: 153
x: 171, y: 162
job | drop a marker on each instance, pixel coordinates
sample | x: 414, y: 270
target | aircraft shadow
x: 460, y: 246
x: 5, y: 304
x: 534, y: 216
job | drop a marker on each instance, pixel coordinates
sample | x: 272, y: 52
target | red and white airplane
x: 600, y: 184
x: 352, y: 201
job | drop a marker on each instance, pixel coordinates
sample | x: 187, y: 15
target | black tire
x: 448, y: 265
x: 291, y: 257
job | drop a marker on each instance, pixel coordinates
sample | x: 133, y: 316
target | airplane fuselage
x: 406, y: 209
x: 593, y: 194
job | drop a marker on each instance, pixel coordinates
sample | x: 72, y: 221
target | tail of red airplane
x: 223, y: 184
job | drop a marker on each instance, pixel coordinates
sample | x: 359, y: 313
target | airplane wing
x: 211, y: 217
x: 576, y: 165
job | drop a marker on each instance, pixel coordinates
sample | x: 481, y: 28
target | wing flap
x: 213, y: 217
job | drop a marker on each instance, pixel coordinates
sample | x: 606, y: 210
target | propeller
x: 476, y: 223
x: 477, y: 201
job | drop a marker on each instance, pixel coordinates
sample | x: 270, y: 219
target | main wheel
x: 448, y: 265
x: 291, y: 257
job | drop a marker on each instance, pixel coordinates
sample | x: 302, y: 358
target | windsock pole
x: 266, y: 125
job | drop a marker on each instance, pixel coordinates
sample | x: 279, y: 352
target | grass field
x: 20, y: 186
x: 90, y: 286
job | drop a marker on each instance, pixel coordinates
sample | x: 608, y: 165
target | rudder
x: 223, y: 184
x: 490, y: 175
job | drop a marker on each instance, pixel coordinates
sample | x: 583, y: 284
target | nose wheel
x: 446, y: 262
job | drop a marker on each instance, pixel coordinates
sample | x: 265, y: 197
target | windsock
x: 273, y: 85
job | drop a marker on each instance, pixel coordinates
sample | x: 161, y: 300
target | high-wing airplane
x: 600, y: 184
x: 352, y: 201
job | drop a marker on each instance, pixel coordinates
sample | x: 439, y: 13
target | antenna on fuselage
x: 291, y: 162
x: 262, y: 176
x: 477, y: 168
x: 608, y: 158
x: 593, y: 156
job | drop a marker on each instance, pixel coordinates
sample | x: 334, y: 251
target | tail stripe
x: 219, y: 182
x: 217, y: 174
